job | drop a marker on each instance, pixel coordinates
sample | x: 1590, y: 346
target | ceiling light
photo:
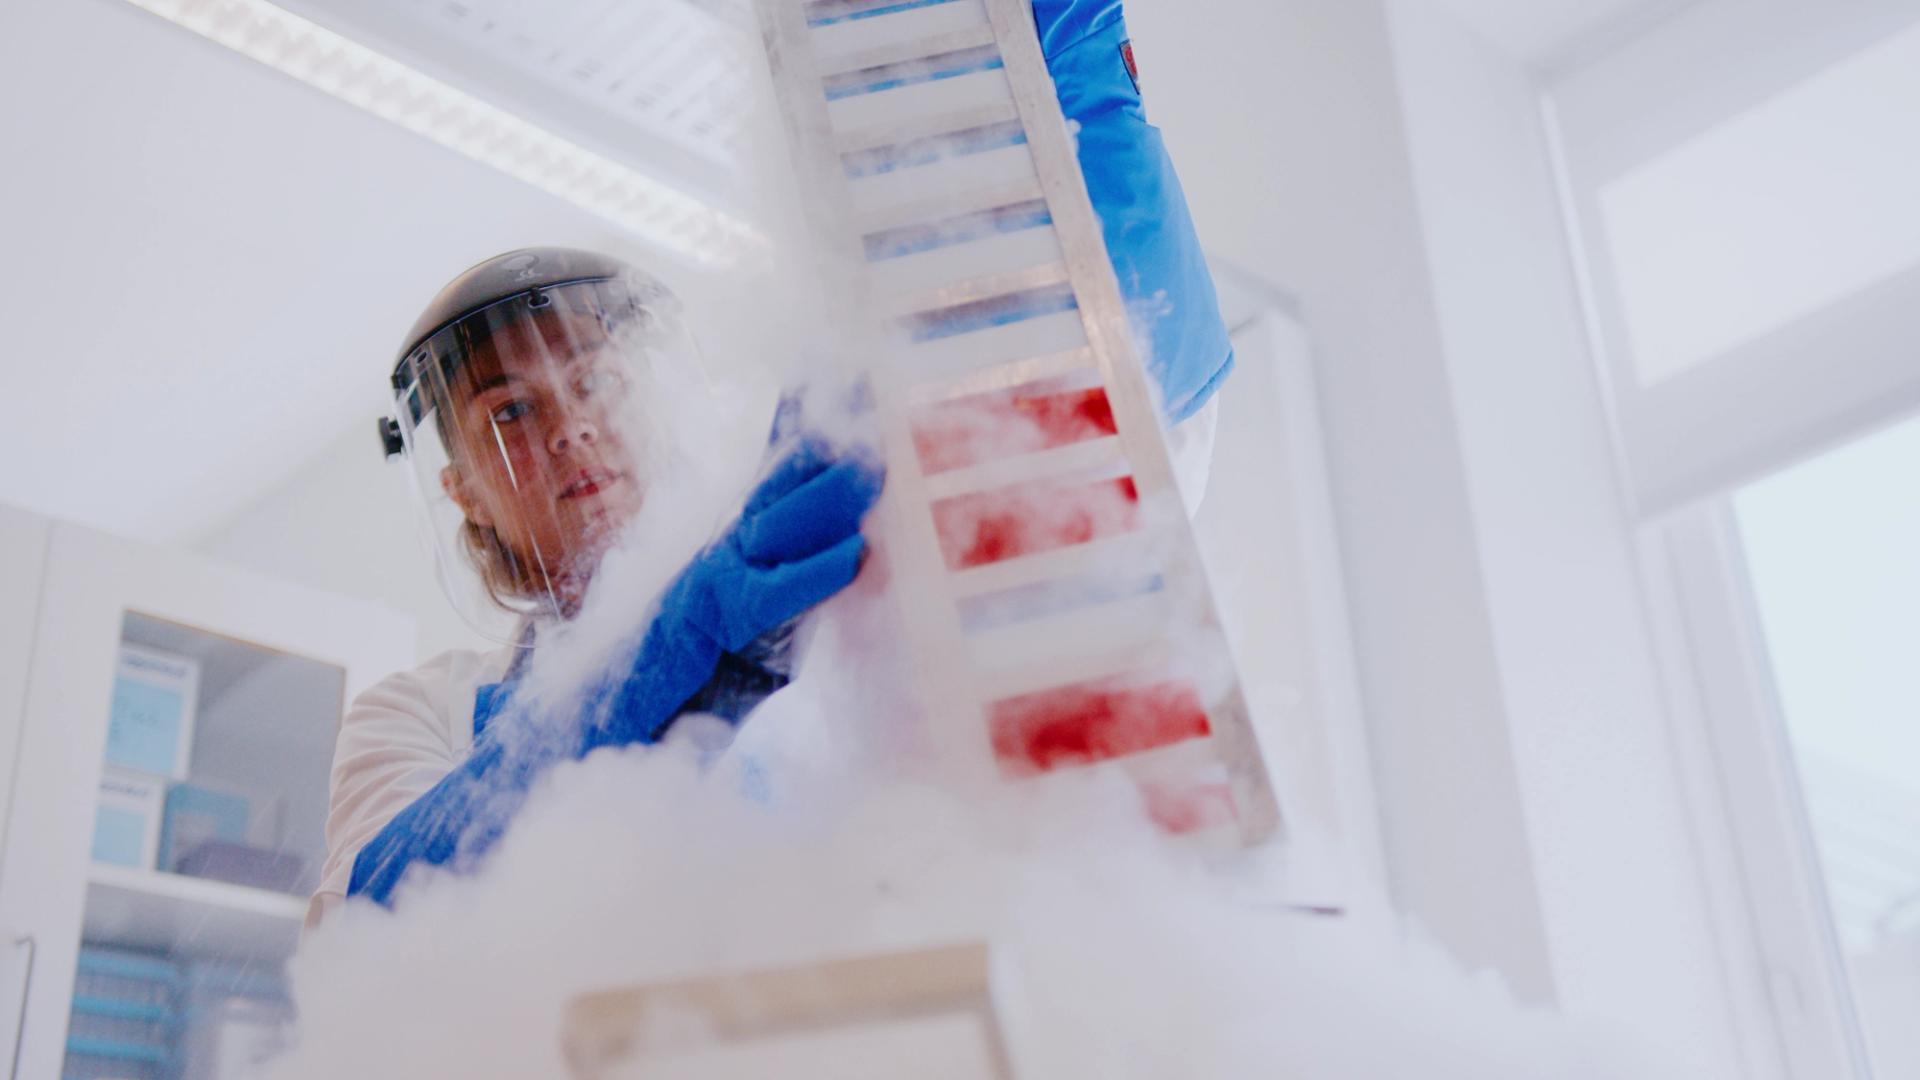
x: 656, y: 212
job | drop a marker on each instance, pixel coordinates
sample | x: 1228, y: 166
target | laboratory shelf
x: 190, y: 917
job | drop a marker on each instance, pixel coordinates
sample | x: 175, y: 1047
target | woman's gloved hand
x: 796, y: 543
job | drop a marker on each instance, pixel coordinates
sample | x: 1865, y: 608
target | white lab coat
x: 399, y: 738
x: 407, y: 732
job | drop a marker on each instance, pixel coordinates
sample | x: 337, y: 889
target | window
x: 1734, y: 182
x: 1832, y: 549
x: 1737, y: 183
x: 1771, y: 216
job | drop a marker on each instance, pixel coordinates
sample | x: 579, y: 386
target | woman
x: 526, y: 366
x: 517, y: 392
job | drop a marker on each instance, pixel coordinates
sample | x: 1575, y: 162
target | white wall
x: 1627, y: 923
x: 345, y: 522
x: 1285, y: 119
x: 208, y: 265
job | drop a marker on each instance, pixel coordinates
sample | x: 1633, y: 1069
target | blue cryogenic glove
x: 1143, y: 212
x: 795, y: 544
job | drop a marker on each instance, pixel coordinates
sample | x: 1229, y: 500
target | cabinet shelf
x: 190, y: 917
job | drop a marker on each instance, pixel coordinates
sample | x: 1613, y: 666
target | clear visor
x: 527, y: 428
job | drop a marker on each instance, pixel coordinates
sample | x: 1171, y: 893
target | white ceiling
x: 217, y: 262
x: 1548, y: 33
x: 1782, y: 211
x: 658, y: 84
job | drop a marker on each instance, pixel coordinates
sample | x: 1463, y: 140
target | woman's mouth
x: 590, y: 482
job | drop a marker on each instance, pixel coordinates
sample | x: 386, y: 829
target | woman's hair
x: 505, y: 574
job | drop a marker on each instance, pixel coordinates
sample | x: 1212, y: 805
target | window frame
x: 1832, y: 377
x: 1750, y: 818
x: 1803, y: 388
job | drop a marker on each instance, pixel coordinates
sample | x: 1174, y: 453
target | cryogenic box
x: 126, y: 824
x: 150, y: 728
x: 125, y: 1016
x: 196, y: 815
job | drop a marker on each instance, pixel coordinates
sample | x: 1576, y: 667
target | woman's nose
x: 575, y: 428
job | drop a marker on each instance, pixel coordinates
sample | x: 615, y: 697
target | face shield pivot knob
x: 390, y: 438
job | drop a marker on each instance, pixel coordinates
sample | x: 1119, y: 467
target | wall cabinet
x: 137, y: 958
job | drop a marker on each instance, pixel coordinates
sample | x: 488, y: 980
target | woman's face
x: 540, y: 446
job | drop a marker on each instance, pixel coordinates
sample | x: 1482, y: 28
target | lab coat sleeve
x: 395, y: 744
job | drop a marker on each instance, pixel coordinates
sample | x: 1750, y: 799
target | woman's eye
x: 601, y: 381
x: 511, y: 411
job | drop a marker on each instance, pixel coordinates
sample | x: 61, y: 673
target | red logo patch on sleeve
x: 1133, y: 68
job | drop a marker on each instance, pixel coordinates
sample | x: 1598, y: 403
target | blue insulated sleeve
x: 461, y: 818
x: 1143, y: 211
x: 462, y: 815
